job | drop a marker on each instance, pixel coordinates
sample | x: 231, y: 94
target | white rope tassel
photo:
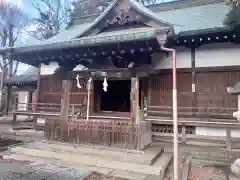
x: 78, y: 83
x: 105, y: 84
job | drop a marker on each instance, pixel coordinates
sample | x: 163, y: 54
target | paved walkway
x: 17, y: 170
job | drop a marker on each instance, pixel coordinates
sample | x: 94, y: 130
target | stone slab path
x: 19, y: 171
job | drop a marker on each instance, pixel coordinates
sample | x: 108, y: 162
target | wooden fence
x: 113, y: 133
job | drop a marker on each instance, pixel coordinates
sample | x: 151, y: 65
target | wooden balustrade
x: 113, y: 133
x: 38, y: 110
x: 188, y: 112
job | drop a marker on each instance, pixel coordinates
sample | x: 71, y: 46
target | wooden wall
x: 210, y: 89
x: 160, y: 89
x: 51, y: 88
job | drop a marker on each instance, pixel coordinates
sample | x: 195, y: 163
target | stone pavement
x: 18, y: 171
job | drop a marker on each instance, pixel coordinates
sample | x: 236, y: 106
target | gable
x: 124, y: 14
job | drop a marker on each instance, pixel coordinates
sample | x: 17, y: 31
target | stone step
x: 23, y: 135
x: 101, y: 162
x: 146, y: 157
x: 163, y: 161
x: 110, y: 172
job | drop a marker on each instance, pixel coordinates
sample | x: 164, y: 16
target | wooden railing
x: 188, y: 112
x: 36, y: 110
x: 226, y: 141
x: 191, y: 118
x: 113, y: 133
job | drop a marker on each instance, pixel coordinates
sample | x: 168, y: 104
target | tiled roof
x: 184, y: 20
x: 198, y: 17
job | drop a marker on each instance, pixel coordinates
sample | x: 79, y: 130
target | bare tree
x: 12, y: 21
x: 93, y: 7
x: 233, y: 17
x: 90, y: 7
x: 235, y: 3
x: 53, y: 17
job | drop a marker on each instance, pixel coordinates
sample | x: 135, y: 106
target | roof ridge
x: 181, y: 4
x: 126, y: 5
x: 176, y: 4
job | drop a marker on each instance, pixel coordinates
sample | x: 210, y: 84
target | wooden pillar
x: 7, y: 102
x: 65, y: 100
x: 228, y: 139
x: 30, y: 96
x: 37, y: 94
x: 183, y: 133
x: 193, y: 68
x: 134, y: 99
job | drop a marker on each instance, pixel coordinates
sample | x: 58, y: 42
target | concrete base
x: 146, y: 157
x: 152, y: 161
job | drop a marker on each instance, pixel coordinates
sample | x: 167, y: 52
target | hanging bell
x: 105, y: 84
x: 78, y: 83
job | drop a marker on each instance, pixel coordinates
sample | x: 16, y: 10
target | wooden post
x: 134, y: 99
x: 183, y: 133
x: 228, y: 139
x: 134, y: 109
x: 193, y: 68
x: 7, y: 102
x: 37, y: 96
x: 14, y: 121
x: 30, y: 96
x: 88, y: 96
x: 65, y: 100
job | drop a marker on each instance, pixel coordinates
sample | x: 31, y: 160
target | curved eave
x: 32, y: 83
x: 190, y: 39
x: 89, y: 41
x: 117, y: 38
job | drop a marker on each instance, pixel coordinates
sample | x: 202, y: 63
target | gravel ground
x: 98, y: 176
x: 196, y: 172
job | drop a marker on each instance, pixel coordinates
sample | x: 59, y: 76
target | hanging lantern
x: 78, y: 83
x: 105, y: 84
